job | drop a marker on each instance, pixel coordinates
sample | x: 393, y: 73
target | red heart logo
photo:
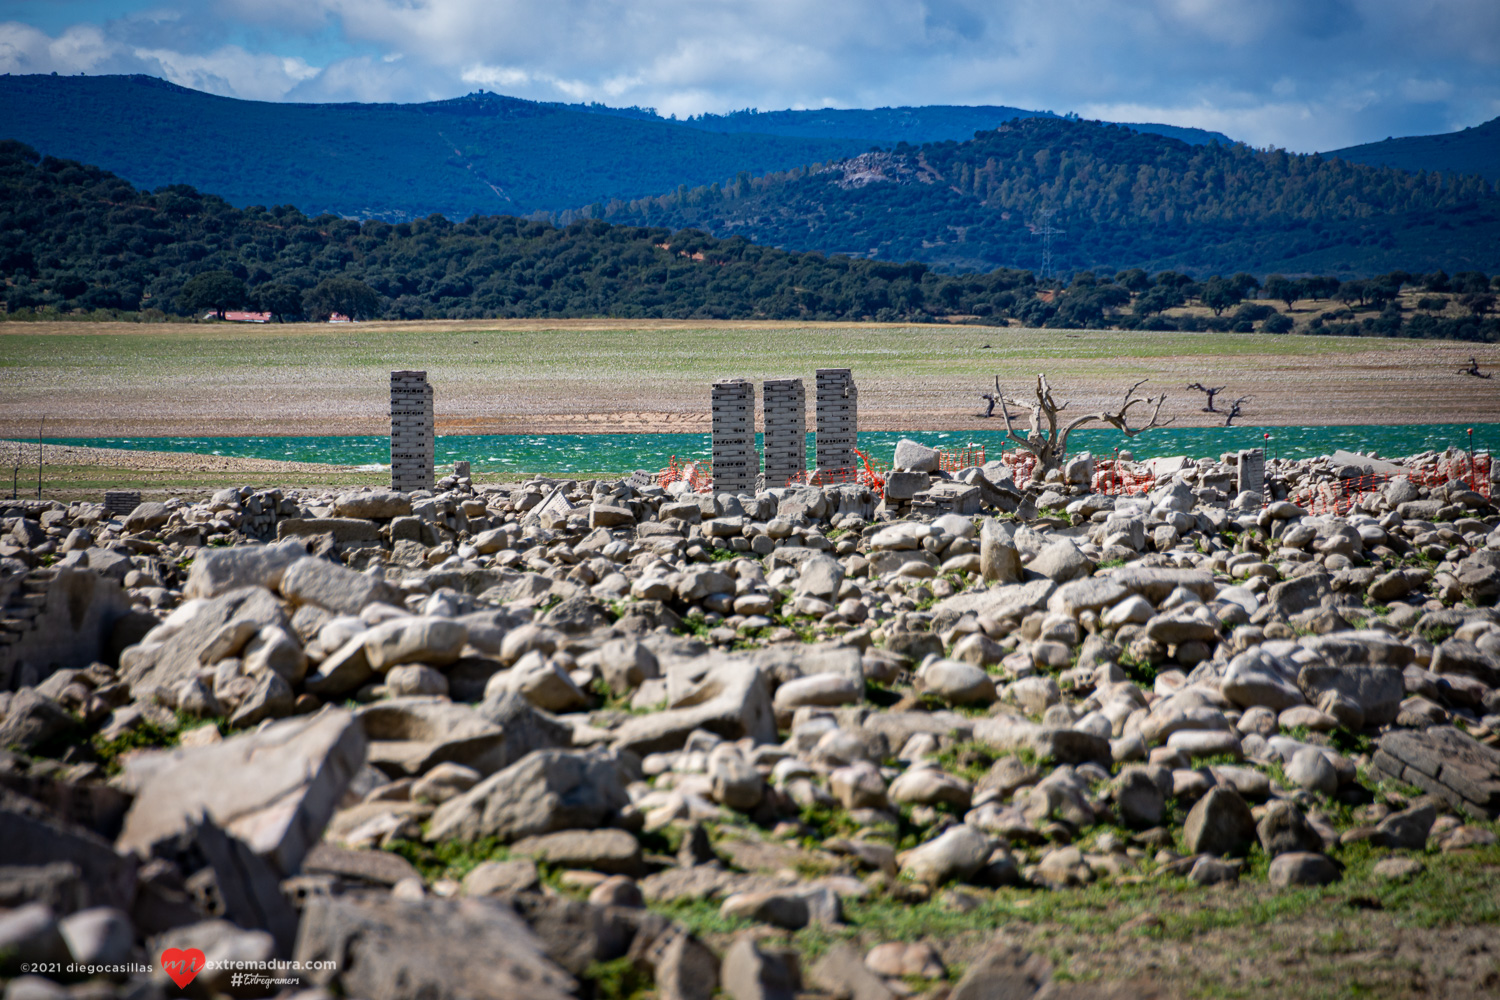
x: 182, y: 965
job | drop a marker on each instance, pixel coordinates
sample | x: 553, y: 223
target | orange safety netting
x: 871, y: 475
x: 958, y: 459
x: 1021, y: 464
x: 695, y: 474
x: 1114, y: 478
x: 1340, y: 496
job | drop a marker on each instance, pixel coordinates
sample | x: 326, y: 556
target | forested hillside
x: 481, y: 153
x: 1473, y: 150
x: 888, y: 126
x: 1122, y: 198
x: 78, y: 242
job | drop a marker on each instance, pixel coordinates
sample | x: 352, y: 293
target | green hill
x: 79, y: 242
x: 1121, y: 199
x: 887, y: 126
x: 1474, y: 150
x: 477, y: 154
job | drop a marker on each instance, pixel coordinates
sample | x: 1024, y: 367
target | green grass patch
x: 448, y: 858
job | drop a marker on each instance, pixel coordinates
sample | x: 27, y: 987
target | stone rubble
x: 234, y: 724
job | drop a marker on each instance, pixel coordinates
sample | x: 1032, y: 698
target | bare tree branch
x: 1212, y: 392
x: 1051, y: 447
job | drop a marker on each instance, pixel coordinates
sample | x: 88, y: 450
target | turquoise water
x: 497, y: 454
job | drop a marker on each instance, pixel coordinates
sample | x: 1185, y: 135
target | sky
x: 1303, y: 75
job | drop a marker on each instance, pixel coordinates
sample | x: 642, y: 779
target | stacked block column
x: 736, y: 462
x: 785, y: 404
x: 411, y: 432
x: 838, y: 419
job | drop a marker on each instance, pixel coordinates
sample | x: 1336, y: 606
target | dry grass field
x: 506, y: 377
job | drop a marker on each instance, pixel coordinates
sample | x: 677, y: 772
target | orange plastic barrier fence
x: 958, y: 459
x: 871, y: 475
x: 695, y: 474
x: 1117, y: 479
x: 1021, y: 464
x: 1340, y: 496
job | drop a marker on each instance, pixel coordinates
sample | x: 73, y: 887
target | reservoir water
x: 615, y: 454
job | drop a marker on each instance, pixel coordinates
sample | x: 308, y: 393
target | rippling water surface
x: 497, y: 454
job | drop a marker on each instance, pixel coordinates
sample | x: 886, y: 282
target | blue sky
x: 1301, y: 74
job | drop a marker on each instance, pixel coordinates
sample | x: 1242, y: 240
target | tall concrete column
x: 736, y: 462
x: 411, y: 432
x: 785, y: 403
x: 838, y: 419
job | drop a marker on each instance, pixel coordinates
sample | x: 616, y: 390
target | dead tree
x: 1234, y: 409
x: 1212, y: 392
x: 1049, y: 442
x: 991, y: 398
x: 1473, y: 369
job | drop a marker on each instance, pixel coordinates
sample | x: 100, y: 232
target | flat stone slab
x: 1366, y: 464
x: 274, y: 788
x: 1447, y: 763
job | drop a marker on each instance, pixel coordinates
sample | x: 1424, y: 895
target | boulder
x: 611, y: 851
x: 1376, y: 690
x: 412, y: 735
x: 150, y: 667
x: 1059, y: 561
x: 914, y: 457
x: 148, y: 515
x: 1302, y: 868
x: 274, y: 788
x: 78, y: 866
x: 336, y: 588
x: 384, y: 948
x: 731, y: 700
x: 345, y: 530
x: 1219, y: 823
x: 434, y: 641
x: 218, y: 571
x: 381, y: 505
x: 1283, y: 830
x: 543, y: 792
x: 957, y: 853
x: 1448, y: 763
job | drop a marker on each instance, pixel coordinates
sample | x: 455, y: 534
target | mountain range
x: 959, y: 189
x: 480, y: 154
x: 1474, y: 150
x: 1113, y: 198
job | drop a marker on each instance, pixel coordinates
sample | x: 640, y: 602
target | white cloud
x: 1285, y: 72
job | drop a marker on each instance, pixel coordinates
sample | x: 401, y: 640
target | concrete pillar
x: 1250, y: 475
x: 838, y: 419
x: 785, y: 403
x: 736, y: 462
x: 411, y: 432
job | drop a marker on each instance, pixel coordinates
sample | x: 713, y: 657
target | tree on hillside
x: 1279, y: 286
x: 1219, y: 294
x: 1477, y: 303
x: 216, y: 290
x: 280, y: 300
x: 349, y: 296
x: 1319, y: 287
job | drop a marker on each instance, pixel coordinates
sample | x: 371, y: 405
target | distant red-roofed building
x: 339, y: 318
